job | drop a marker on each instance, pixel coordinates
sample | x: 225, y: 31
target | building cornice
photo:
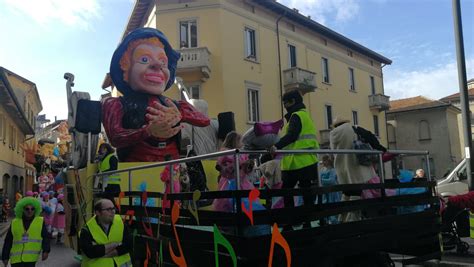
x: 313, y: 25
x: 13, y: 106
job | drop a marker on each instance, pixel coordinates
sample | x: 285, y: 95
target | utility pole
x: 463, y: 93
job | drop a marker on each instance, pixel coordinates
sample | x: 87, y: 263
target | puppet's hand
x: 162, y: 129
x: 169, y: 114
x: 163, y: 119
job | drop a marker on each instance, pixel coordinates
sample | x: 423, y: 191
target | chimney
x: 55, y: 118
x: 296, y: 10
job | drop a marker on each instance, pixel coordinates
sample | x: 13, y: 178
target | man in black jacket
x: 105, y: 218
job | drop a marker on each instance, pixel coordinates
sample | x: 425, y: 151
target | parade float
x: 181, y: 227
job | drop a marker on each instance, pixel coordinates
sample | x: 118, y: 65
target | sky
x: 43, y: 39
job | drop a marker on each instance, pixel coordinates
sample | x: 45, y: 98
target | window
x: 253, y: 106
x: 355, y: 117
x: 188, y: 34
x: 2, y: 126
x: 325, y: 67
x: 12, y: 137
x: 349, y: 53
x: 328, y: 111
x: 292, y: 55
x: 351, y: 79
x: 324, y: 41
x: 376, y: 125
x: 250, y: 47
x: 194, y: 91
x: 18, y: 142
x: 372, y: 85
x: 424, y: 130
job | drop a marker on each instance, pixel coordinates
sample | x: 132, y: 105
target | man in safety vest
x: 27, y: 239
x: 105, y: 241
x: 109, y: 162
x: 299, y: 133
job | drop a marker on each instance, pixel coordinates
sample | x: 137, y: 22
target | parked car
x: 455, y: 183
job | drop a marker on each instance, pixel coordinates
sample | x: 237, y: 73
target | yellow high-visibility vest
x: 115, y: 236
x: 471, y: 224
x: 105, y: 165
x: 306, y: 140
x: 26, y: 244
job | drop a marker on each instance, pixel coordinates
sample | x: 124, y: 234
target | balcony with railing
x: 299, y: 79
x: 194, y: 60
x: 379, y: 102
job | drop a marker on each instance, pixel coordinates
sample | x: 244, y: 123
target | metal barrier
x: 236, y: 153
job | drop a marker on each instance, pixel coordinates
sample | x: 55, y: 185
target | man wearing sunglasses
x: 27, y: 237
x: 105, y: 240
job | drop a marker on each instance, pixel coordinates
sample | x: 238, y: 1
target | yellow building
x: 242, y: 55
x: 19, y: 106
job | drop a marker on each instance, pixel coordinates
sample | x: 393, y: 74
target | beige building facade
x: 241, y: 56
x: 455, y: 99
x: 19, y: 106
x: 419, y: 123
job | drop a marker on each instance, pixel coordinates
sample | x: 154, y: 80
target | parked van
x: 455, y: 183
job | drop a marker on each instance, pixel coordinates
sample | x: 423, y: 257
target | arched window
x: 424, y: 130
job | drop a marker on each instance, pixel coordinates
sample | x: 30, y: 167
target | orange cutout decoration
x: 147, y: 228
x: 253, y: 195
x: 194, y: 210
x: 148, y: 255
x: 180, y: 261
x: 130, y: 214
x: 280, y: 240
x: 118, y: 202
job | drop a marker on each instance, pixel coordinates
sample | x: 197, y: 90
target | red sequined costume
x: 142, y: 146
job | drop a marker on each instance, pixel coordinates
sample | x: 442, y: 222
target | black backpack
x: 366, y: 140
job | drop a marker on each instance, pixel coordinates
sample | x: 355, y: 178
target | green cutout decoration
x: 220, y: 239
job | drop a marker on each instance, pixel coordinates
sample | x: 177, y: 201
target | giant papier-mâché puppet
x: 143, y: 124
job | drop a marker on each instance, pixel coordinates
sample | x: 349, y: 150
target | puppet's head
x: 47, y: 149
x: 144, y: 62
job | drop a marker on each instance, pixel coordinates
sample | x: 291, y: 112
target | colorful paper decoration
x: 134, y: 235
x: 253, y: 195
x: 148, y: 255
x: 148, y: 229
x: 193, y: 208
x: 161, y: 253
x: 219, y: 239
x: 180, y: 261
x: 118, y: 202
x: 129, y: 214
x: 280, y: 240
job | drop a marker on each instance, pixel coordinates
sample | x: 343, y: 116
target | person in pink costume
x: 59, y: 221
x: 165, y: 177
x: 47, y: 213
x: 226, y: 165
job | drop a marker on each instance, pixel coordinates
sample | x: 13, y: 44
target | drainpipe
x: 279, y: 61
